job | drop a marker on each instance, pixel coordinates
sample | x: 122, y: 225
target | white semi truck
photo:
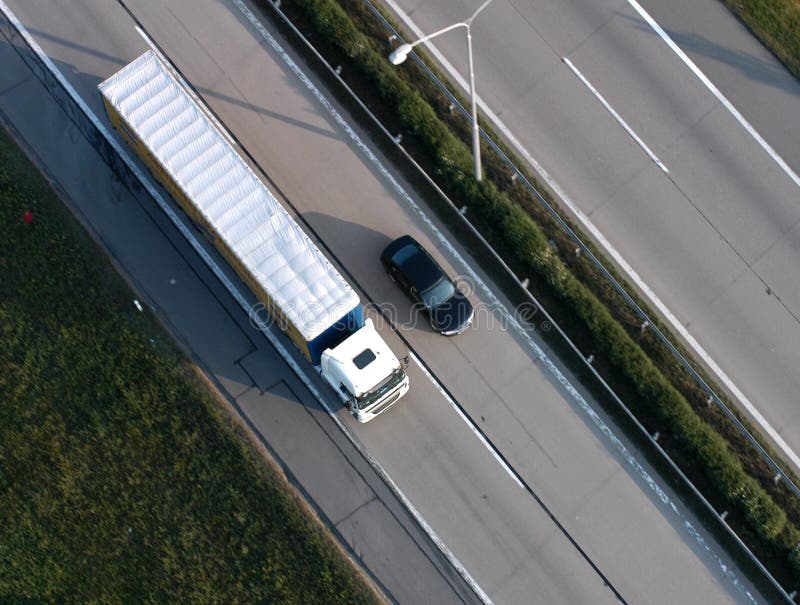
x: 298, y: 286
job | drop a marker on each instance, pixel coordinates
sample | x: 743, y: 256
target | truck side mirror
x: 348, y: 396
x: 404, y: 361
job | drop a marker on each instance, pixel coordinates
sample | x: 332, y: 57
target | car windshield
x: 370, y: 397
x: 438, y: 293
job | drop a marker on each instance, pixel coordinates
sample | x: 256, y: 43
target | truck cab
x: 365, y: 373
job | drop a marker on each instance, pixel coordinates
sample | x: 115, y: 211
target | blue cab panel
x: 341, y: 329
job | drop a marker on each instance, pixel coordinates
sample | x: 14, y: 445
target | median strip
x: 703, y: 442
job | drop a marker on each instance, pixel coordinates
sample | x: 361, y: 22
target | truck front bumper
x: 384, y: 404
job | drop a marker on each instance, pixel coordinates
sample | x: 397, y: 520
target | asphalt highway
x: 504, y: 458
x: 693, y: 191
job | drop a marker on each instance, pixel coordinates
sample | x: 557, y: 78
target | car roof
x: 420, y: 268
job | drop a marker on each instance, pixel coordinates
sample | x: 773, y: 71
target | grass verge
x: 776, y: 23
x: 702, y: 440
x: 121, y: 479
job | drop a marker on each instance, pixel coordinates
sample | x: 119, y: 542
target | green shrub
x: 523, y: 242
x: 776, y: 23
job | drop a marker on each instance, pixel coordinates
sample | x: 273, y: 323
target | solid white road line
x: 328, y: 106
x: 724, y: 378
x: 715, y: 91
x: 301, y: 372
x: 467, y: 421
x: 615, y: 115
x: 606, y: 245
x: 241, y: 299
x: 724, y: 567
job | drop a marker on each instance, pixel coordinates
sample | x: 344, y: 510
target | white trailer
x: 298, y: 286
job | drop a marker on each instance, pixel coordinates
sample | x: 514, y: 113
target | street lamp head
x: 400, y: 54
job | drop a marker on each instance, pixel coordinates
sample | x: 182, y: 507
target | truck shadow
x: 357, y: 257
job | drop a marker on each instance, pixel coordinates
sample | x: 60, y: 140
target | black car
x: 415, y: 271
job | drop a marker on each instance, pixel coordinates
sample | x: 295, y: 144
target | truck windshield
x: 370, y: 397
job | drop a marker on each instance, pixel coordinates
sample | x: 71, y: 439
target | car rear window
x: 404, y: 254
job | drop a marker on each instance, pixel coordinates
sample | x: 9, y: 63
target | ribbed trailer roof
x: 212, y: 175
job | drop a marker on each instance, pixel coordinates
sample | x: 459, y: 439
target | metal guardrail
x: 720, y: 517
x: 75, y: 112
x: 647, y: 322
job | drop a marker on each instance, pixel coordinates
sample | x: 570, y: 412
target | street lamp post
x: 401, y: 53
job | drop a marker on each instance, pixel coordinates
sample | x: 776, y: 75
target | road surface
x: 552, y: 505
x: 658, y: 168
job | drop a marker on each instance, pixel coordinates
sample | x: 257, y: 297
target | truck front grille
x: 386, y: 403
